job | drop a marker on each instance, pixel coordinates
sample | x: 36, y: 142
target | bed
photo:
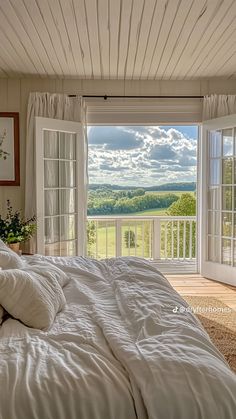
x: 120, y: 349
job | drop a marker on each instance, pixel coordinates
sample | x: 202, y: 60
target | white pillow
x: 8, y: 258
x: 42, y: 268
x: 31, y: 297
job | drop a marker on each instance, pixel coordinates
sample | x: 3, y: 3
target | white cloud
x: 141, y: 156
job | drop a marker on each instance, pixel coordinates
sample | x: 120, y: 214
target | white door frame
x: 216, y: 271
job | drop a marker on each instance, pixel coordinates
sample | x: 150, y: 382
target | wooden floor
x: 196, y: 285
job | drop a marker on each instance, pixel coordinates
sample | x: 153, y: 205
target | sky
x: 142, y: 155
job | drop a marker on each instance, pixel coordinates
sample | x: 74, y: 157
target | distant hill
x: 178, y: 186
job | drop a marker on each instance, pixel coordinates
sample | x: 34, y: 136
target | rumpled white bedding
x: 116, y: 351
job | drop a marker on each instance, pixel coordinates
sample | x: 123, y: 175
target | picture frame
x: 9, y: 149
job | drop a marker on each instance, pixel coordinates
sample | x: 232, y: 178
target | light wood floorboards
x: 196, y: 285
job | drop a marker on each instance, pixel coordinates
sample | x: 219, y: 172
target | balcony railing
x: 151, y: 237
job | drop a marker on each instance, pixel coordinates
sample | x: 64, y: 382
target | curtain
x: 215, y: 106
x: 56, y: 106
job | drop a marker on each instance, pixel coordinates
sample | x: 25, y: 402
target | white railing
x: 151, y: 237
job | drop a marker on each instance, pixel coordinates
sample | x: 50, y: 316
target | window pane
x: 51, y: 144
x: 234, y: 232
x: 67, y: 201
x: 234, y: 252
x: 227, y: 197
x: 52, y: 230
x: 68, y: 226
x: 227, y: 142
x: 215, y: 143
x: 214, y: 172
x: 67, y: 145
x: 227, y: 166
x: 69, y: 248
x: 226, y: 252
x: 67, y: 174
x: 214, y: 249
x: 227, y: 224
x: 51, y: 202
x: 52, y: 249
x: 51, y: 170
x: 213, y: 222
x: 214, y: 198
x: 235, y: 169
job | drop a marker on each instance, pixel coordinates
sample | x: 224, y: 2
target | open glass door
x: 60, y: 189
x: 218, y: 200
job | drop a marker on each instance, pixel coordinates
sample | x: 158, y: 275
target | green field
x: 106, y: 239
x: 157, y: 211
x: 178, y: 193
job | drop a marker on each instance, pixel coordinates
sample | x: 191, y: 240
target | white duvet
x: 116, y: 351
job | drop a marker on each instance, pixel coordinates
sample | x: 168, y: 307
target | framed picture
x: 9, y: 149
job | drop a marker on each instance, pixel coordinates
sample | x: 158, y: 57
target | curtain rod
x: 105, y: 97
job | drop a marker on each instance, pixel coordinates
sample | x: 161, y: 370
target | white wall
x: 14, y: 95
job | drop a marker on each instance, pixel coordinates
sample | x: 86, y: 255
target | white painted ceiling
x: 118, y: 39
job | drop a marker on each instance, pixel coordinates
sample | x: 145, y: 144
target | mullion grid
x: 231, y: 185
x: 213, y: 211
x: 59, y: 189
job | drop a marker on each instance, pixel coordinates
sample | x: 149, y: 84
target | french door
x: 60, y: 187
x: 218, y: 200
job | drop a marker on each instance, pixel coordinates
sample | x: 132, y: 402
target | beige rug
x: 220, y: 325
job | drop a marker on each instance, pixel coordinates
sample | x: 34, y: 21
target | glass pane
x: 214, y: 249
x: 213, y: 222
x: 52, y: 230
x: 67, y: 174
x: 215, y: 143
x: 51, y: 144
x: 210, y: 222
x: 226, y: 252
x: 214, y: 172
x: 234, y: 208
x: 234, y: 228
x: 52, y: 249
x: 67, y: 200
x: 228, y: 145
x: 68, y: 227
x: 51, y: 202
x: 51, y: 170
x: 227, y: 224
x: 227, y: 166
x: 235, y: 168
x: 214, y: 198
x: 67, y: 145
x: 69, y: 248
x: 234, y: 252
x: 227, y: 197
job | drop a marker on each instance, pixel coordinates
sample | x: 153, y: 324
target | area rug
x: 219, y: 321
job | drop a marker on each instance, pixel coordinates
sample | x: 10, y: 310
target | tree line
x: 108, y: 202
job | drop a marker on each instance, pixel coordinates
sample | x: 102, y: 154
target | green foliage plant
x: 14, y: 228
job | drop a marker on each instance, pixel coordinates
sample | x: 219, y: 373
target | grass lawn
x: 157, y: 211
x: 106, y: 239
x: 178, y: 193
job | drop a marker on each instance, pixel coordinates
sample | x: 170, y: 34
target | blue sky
x: 142, y: 155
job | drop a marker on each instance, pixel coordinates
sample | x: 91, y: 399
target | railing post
x: 118, y: 237
x: 156, y: 238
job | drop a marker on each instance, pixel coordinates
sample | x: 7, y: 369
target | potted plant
x: 15, y: 229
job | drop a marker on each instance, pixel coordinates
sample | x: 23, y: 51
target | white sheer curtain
x: 57, y: 106
x: 215, y: 106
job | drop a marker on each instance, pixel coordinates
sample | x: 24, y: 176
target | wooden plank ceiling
x: 118, y: 39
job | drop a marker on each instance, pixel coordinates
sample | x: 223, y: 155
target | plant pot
x: 15, y: 247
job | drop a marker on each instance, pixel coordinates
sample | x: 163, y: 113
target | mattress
x: 124, y: 347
